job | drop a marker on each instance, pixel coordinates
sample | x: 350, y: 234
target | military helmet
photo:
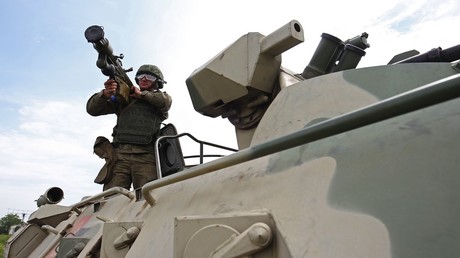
x: 153, y: 70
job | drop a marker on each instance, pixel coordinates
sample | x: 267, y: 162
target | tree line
x: 7, y: 221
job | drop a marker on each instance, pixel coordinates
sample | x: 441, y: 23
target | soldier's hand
x: 136, y: 93
x: 110, y: 88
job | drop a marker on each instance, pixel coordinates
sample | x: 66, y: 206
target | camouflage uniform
x: 134, y: 150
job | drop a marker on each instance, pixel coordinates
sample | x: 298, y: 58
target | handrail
x: 108, y: 192
x: 421, y: 97
x: 204, y: 156
x: 157, y: 152
x: 58, y: 234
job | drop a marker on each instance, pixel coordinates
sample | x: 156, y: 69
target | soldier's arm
x: 160, y: 100
x: 99, y: 104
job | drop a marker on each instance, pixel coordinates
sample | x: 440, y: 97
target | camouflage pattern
x: 301, y: 185
x: 128, y: 153
x: 135, y: 168
x: 150, y: 69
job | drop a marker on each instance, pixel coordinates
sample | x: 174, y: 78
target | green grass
x: 3, y: 239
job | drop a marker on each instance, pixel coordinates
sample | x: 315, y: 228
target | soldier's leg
x: 121, y: 174
x: 144, y: 169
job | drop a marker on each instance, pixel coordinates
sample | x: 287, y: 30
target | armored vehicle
x: 333, y: 161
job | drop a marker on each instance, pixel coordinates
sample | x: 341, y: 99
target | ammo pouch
x: 104, y: 149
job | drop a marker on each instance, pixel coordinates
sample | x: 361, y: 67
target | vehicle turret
x: 240, y: 82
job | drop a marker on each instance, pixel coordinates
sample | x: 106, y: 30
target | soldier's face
x: 145, y: 84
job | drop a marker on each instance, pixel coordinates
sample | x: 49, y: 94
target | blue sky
x: 48, y: 71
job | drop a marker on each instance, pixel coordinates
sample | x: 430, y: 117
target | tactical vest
x: 138, y: 123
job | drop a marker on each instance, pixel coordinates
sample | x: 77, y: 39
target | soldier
x: 137, y: 125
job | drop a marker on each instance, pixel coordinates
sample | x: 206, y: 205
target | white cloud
x: 51, y: 147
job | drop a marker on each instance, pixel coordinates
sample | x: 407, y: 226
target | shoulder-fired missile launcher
x: 333, y: 161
